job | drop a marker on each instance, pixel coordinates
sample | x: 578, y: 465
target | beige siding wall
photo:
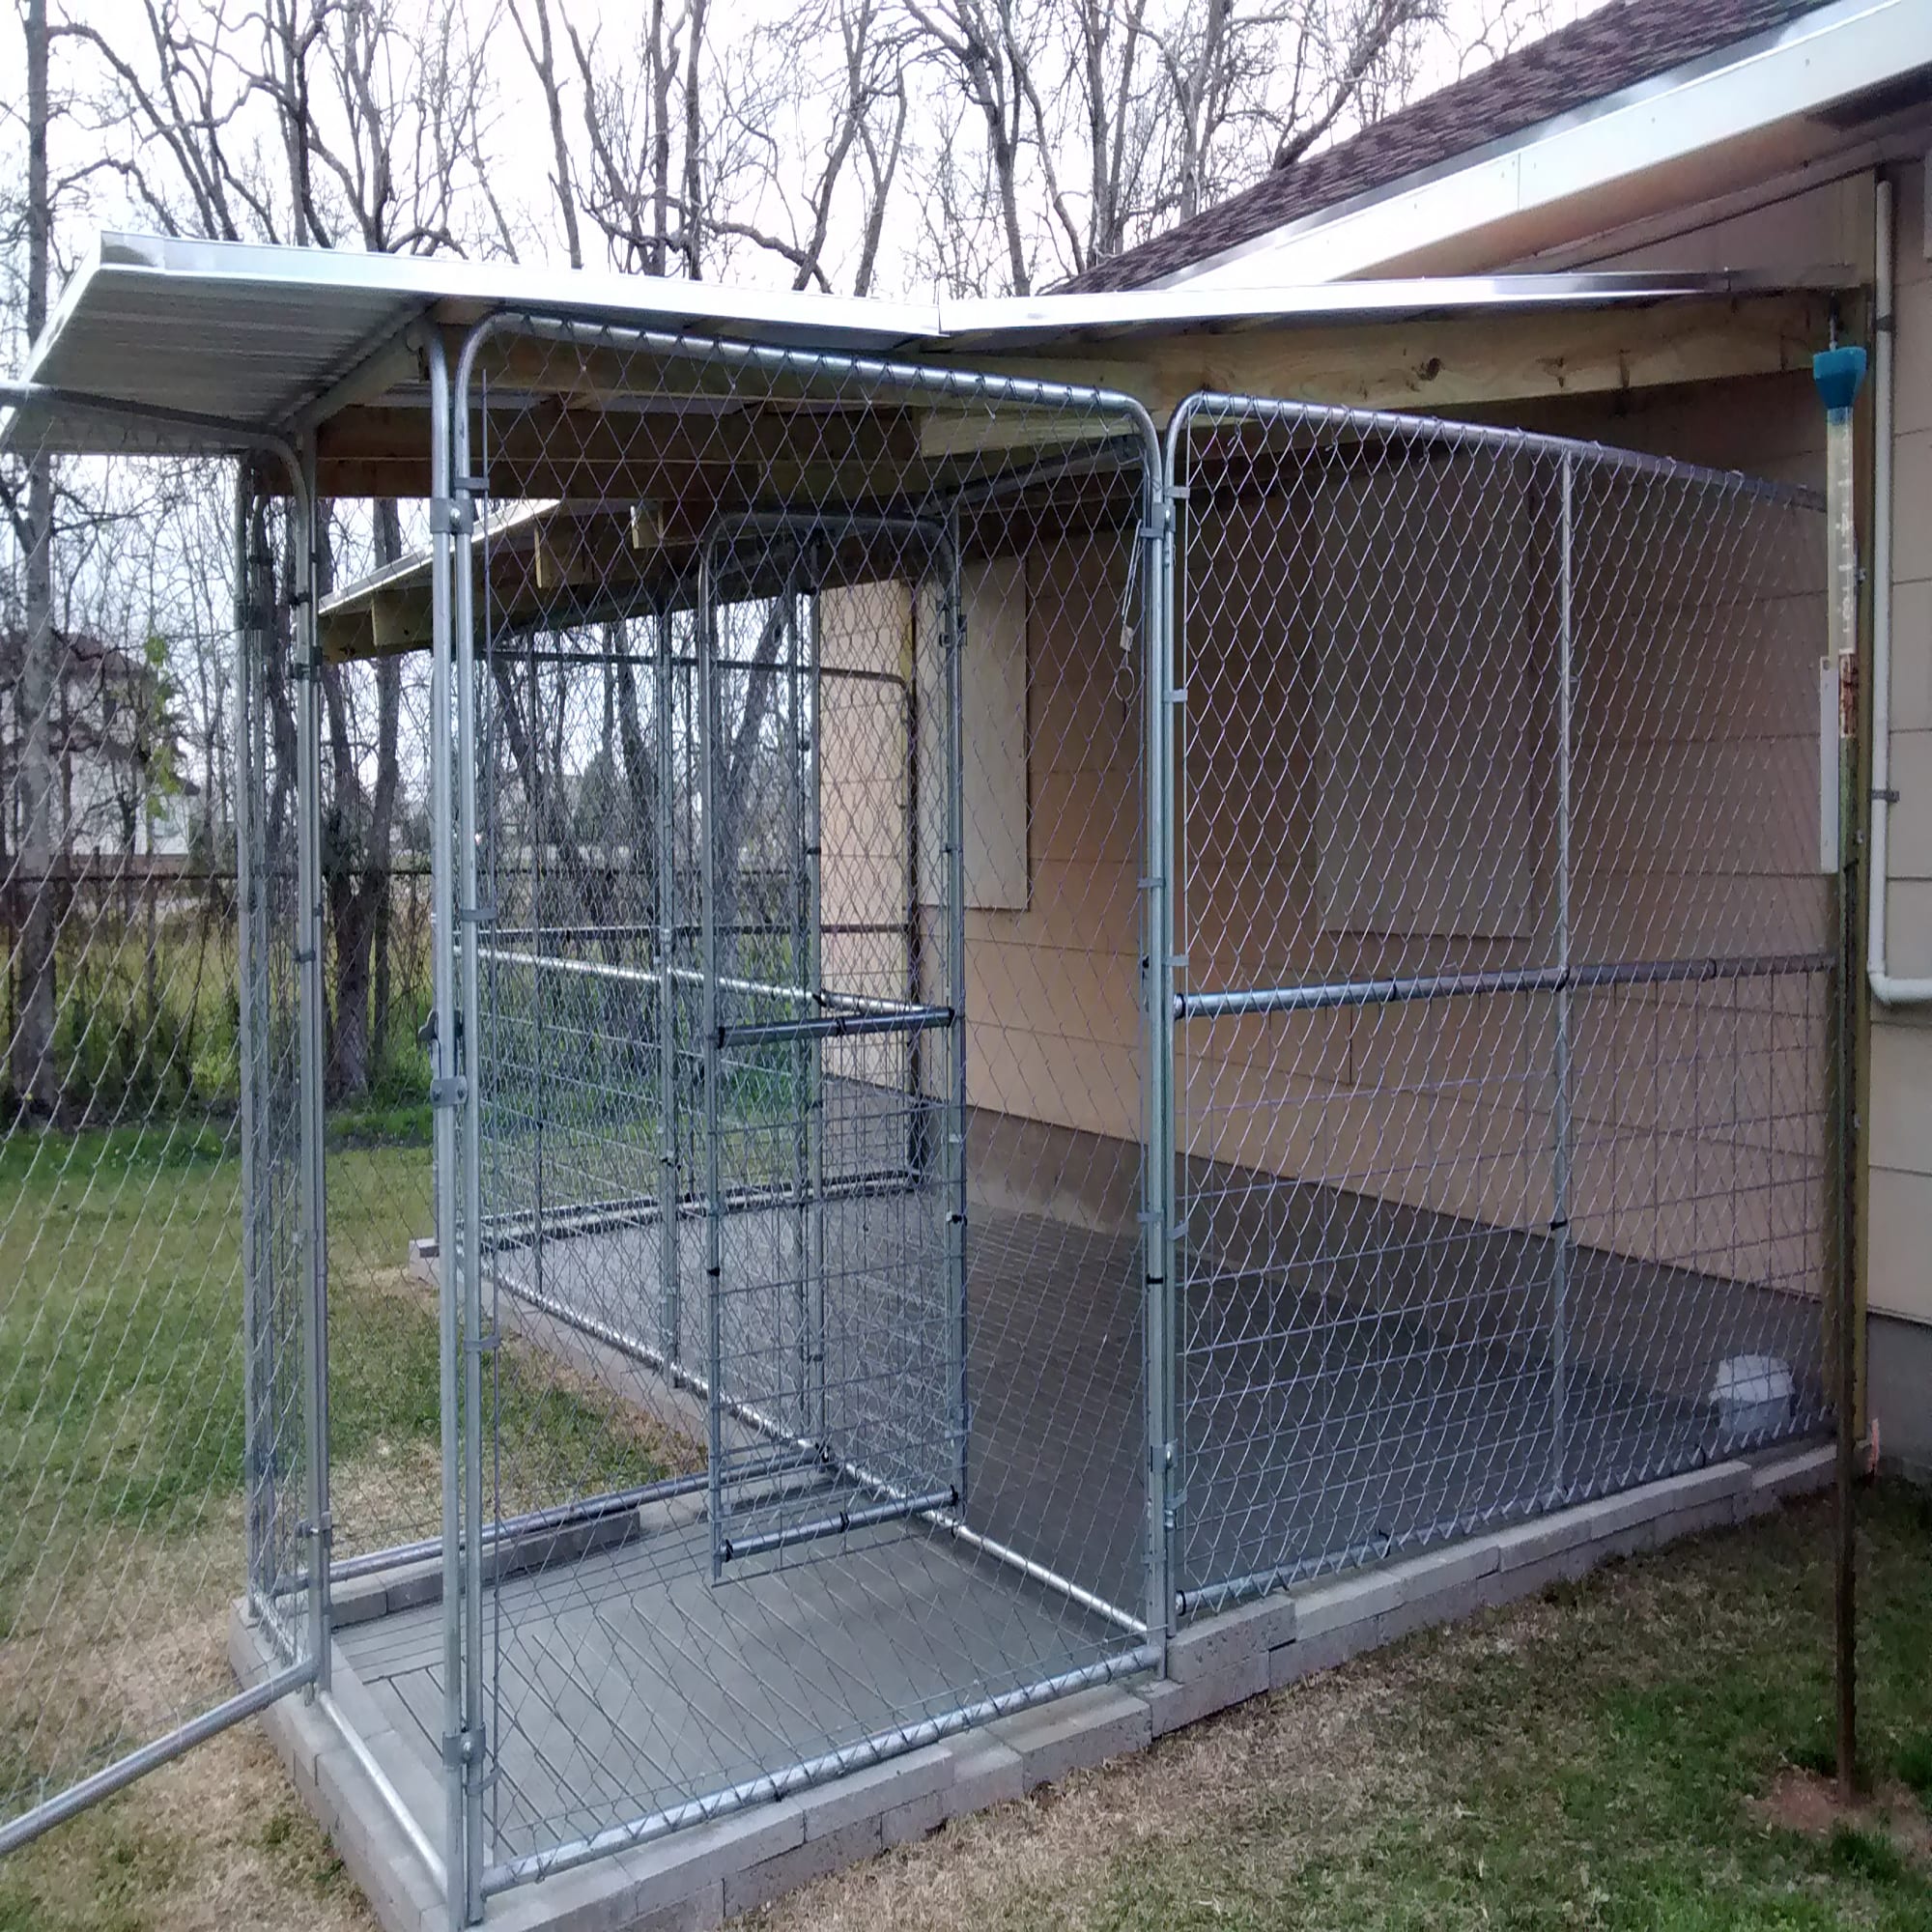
x: 1370, y: 791
x: 1834, y: 224
x: 1901, y: 1253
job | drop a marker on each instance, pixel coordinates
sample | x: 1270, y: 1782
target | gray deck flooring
x: 626, y: 1681
x: 1327, y: 1417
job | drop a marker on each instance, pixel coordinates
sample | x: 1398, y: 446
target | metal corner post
x: 671, y: 1168
x: 470, y: 913
x: 815, y: 1423
x: 249, y: 643
x: 308, y: 955
x: 953, y: 644
x: 714, y: 1196
x: 1559, y: 1097
x: 443, y: 1078
x: 1161, y: 944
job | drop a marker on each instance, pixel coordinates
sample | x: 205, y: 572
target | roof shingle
x: 1617, y: 46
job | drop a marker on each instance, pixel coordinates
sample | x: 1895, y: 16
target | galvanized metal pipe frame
x: 1504, y: 980
x: 313, y: 1017
x: 446, y: 1092
x: 466, y: 1902
x: 1562, y: 1151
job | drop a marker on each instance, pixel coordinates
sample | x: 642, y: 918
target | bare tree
x: 31, y: 1057
x: 835, y: 81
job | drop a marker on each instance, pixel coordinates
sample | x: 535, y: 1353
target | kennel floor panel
x: 625, y: 1681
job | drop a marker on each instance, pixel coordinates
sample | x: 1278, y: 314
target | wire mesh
x: 807, y: 1065
x: 155, y: 1445
x: 1505, y: 1017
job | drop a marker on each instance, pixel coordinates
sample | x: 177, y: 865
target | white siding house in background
x: 116, y: 746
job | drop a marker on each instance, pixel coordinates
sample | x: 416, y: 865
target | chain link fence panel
x: 1506, y: 1014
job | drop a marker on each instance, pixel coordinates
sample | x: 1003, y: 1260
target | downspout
x: 1886, y: 989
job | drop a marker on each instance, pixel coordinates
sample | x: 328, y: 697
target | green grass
x: 120, y: 1332
x: 1590, y: 1759
x: 1599, y: 1774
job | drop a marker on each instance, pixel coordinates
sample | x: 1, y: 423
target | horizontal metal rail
x: 839, y: 1522
x: 124, y: 1771
x: 812, y: 1771
x: 837, y: 1026
x: 535, y: 1523
x: 1476, y: 985
x: 511, y: 1229
x: 647, y: 978
x: 1215, y: 406
x: 404, y: 1819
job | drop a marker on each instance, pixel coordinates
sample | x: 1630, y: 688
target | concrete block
x: 1171, y: 1703
x: 771, y: 1878
x: 1719, y: 1513
x: 877, y: 1789
x: 601, y: 1896
x: 1438, y: 1571
x: 1427, y: 1611
x: 687, y: 1862
x: 701, y: 1910
x: 1529, y: 1543
x: 374, y: 1847
x: 985, y: 1773
x: 1214, y: 1641
x: 1796, y: 1473
x: 1512, y: 1583
x: 1359, y: 1598
x: 358, y: 1600
x: 1288, y: 1662
x: 1072, y: 1733
x: 914, y: 1820
x: 1609, y: 1514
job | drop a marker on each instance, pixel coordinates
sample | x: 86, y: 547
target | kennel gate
x: 750, y: 574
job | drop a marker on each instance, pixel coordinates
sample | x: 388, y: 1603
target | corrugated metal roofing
x: 257, y: 337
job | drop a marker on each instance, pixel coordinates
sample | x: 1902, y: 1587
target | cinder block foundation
x: 364, y: 1786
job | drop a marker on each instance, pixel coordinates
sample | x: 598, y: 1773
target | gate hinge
x: 449, y: 516
x: 448, y: 1091
x: 484, y: 1345
x: 464, y: 1747
x: 1886, y: 794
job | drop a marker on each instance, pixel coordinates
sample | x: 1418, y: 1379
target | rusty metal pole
x: 1838, y: 374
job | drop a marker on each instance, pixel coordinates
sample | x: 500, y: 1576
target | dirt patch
x: 1805, y: 1803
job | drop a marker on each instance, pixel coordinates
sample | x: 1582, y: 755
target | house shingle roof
x: 1617, y: 46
